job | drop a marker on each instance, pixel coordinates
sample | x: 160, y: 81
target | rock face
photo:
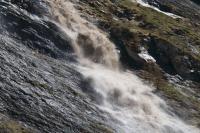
x: 39, y: 87
x: 170, y: 55
x: 173, y: 61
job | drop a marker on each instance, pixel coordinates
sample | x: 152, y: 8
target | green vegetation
x: 178, y: 32
x: 131, y: 23
x: 180, y: 102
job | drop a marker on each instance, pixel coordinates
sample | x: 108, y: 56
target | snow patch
x: 155, y: 8
x: 145, y: 55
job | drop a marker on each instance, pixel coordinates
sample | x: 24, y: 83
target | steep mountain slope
x: 60, y: 73
x: 174, y: 44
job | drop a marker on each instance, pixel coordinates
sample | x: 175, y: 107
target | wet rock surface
x: 39, y: 85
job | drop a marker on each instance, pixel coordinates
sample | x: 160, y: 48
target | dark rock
x: 173, y: 60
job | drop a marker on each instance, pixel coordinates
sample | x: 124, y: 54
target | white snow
x: 145, y: 55
x: 155, y: 8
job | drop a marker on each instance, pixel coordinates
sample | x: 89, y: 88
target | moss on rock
x: 13, y: 127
